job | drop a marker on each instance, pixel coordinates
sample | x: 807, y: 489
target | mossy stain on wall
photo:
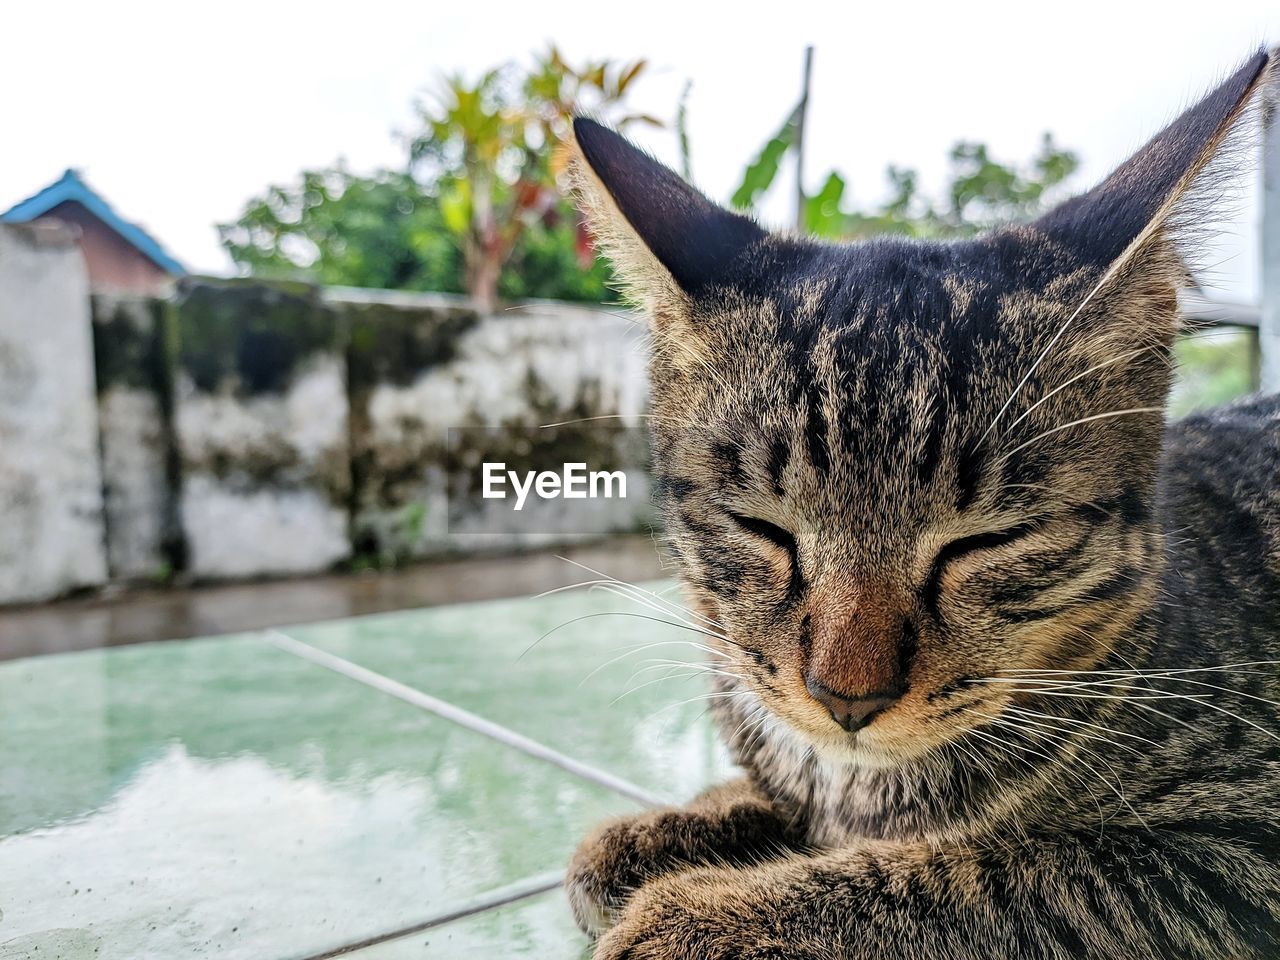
x: 129, y: 344
x: 252, y: 335
x: 396, y: 345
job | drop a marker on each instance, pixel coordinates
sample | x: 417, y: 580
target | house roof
x: 70, y: 187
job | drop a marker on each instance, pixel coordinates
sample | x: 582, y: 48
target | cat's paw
x: 701, y: 914
x: 658, y: 930
x: 612, y: 863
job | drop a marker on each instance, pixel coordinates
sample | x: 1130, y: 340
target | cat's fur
x: 938, y: 471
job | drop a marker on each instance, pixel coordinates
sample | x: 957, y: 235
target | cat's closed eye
x: 976, y: 543
x: 778, y: 537
x: 766, y: 531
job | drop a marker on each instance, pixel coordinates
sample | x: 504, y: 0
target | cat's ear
x: 1146, y: 210
x: 667, y: 241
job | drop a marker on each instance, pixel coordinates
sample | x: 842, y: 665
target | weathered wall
x: 51, y: 532
x: 133, y: 351
x: 261, y: 421
x: 248, y: 429
x: 421, y: 366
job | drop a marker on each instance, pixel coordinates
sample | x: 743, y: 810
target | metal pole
x: 801, y: 109
x: 1269, y: 324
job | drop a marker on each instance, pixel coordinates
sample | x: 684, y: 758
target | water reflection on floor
x: 226, y: 798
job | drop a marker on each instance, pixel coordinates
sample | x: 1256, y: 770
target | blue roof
x: 71, y: 188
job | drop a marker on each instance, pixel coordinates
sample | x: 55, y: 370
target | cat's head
x: 889, y: 468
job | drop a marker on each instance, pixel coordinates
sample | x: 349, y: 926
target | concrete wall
x: 422, y: 366
x: 246, y: 429
x: 133, y: 346
x: 261, y: 421
x: 51, y: 535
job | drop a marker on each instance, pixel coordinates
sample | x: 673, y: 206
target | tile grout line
x: 465, y: 718
x: 500, y: 897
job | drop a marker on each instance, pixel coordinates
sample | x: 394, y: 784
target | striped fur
x: 943, y: 470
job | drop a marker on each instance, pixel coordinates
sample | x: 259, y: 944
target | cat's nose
x: 852, y: 713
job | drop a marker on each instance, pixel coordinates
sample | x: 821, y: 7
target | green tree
x: 333, y: 227
x: 491, y: 149
x: 480, y: 207
x: 980, y: 192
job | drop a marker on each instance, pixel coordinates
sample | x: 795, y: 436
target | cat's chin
x: 858, y: 751
x: 798, y: 735
x: 857, y: 756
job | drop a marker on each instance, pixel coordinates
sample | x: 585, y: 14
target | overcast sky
x: 177, y: 113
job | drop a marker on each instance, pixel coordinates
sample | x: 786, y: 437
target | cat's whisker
x: 1061, y: 681
x: 1110, y: 414
x: 695, y: 669
x: 1016, y: 751
x: 1066, y: 740
x: 1218, y: 708
x: 1068, y: 733
x: 640, y: 590
x: 975, y: 754
x: 1203, y: 700
x: 623, y: 588
x: 1225, y: 667
x: 636, y: 594
x: 1053, y: 342
x: 658, y: 664
x: 665, y: 607
x: 1178, y: 679
x: 747, y: 718
x: 1057, y: 492
x: 757, y: 724
x: 1086, y: 723
x: 711, y: 695
x: 673, y: 675
x: 614, y: 613
x: 1057, y: 764
x: 973, y: 759
x: 668, y: 608
x: 650, y: 646
x: 618, y: 416
x: 1114, y: 682
x: 1052, y: 688
x: 1139, y: 670
x: 718, y: 695
x: 1147, y: 708
x: 1103, y: 695
x: 1056, y: 390
x: 762, y: 728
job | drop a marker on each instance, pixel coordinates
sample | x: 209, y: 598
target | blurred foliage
x: 1214, y: 367
x: 490, y: 150
x: 333, y: 227
x: 761, y: 172
x: 980, y: 192
x: 480, y: 207
x: 682, y: 131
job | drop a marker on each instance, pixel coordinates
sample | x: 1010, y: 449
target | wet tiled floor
x: 114, y: 616
x: 316, y: 790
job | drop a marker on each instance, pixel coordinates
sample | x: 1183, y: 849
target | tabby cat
x: 996, y: 648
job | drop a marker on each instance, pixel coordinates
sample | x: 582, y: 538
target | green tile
x: 539, y: 927
x: 225, y: 798
x: 645, y: 727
